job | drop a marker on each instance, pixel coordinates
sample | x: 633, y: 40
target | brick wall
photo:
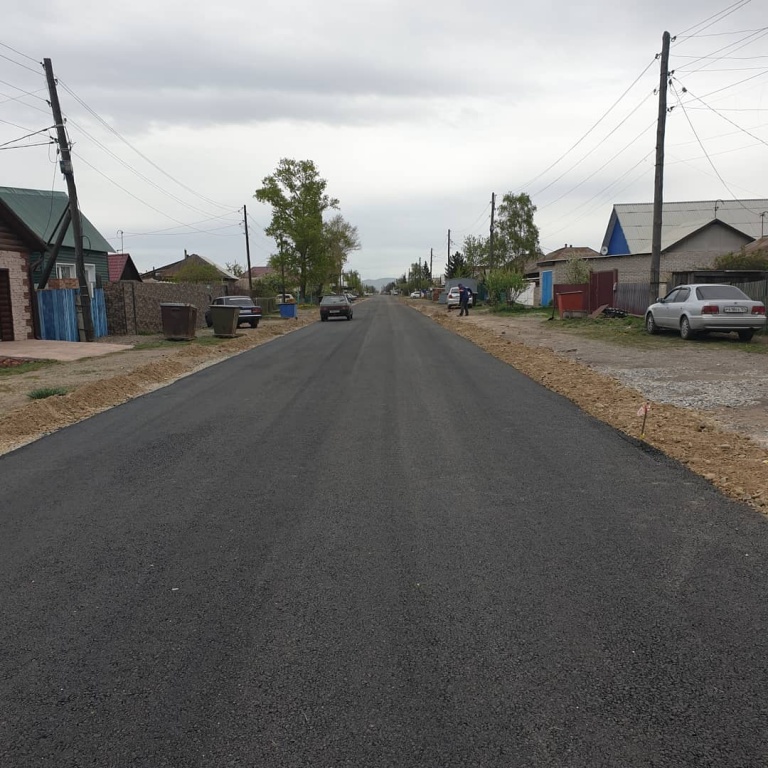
x: 16, y: 264
x: 134, y: 307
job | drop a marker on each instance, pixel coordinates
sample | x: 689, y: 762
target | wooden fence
x: 58, y: 314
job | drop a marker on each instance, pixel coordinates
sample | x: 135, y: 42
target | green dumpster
x: 224, y: 318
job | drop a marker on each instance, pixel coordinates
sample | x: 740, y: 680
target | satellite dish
x: 604, y: 250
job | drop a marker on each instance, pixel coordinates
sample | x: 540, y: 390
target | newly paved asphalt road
x: 369, y: 543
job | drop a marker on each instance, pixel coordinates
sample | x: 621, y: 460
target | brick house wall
x: 16, y: 264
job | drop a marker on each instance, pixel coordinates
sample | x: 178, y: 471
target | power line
x: 28, y: 93
x: 33, y: 133
x: 600, y: 120
x: 137, y: 151
x: 703, y: 149
x: 10, y: 48
x: 19, y: 64
x: 742, y: 43
x: 727, y: 11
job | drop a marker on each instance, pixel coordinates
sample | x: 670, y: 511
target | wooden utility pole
x: 85, y: 319
x: 449, y: 246
x: 248, y: 252
x: 658, y: 190
x: 490, y: 239
x: 431, y: 276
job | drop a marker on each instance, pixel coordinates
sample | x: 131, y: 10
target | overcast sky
x: 415, y: 111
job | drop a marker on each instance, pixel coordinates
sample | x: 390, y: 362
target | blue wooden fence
x: 58, y: 316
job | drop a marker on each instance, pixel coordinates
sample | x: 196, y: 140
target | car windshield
x: 333, y: 300
x: 721, y: 292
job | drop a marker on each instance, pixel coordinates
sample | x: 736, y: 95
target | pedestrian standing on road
x: 463, y: 300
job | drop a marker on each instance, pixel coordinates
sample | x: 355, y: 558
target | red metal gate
x: 601, y: 288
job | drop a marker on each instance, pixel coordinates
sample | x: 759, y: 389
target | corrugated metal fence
x: 58, y: 315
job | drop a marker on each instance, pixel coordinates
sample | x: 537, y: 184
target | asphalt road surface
x: 369, y: 543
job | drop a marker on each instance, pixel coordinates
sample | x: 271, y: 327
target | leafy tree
x: 476, y: 253
x: 298, y: 199
x: 235, y: 269
x: 197, y: 272
x: 742, y: 260
x: 517, y: 237
x: 577, y: 271
x: 457, y: 266
x: 505, y: 281
x: 340, y: 239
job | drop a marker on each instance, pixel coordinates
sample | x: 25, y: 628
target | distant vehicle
x: 249, y: 311
x: 452, y: 300
x: 335, y: 305
x: 416, y: 295
x: 351, y: 297
x: 285, y: 298
x: 701, y: 308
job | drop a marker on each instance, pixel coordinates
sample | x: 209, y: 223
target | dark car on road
x: 249, y: 311
x: 335, y: 306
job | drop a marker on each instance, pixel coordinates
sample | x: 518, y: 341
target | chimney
x: 186, y: 255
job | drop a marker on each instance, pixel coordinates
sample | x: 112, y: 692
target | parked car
x: 249, y: 311
x: 285, y: 298
x: 701, y: 308
x: 335, y: 306
x: 452, y: 300
x: 416, y: 295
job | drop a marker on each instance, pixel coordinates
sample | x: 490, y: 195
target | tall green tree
x: 297, y: 195
x: 516, y: 240
x: 340, y: 239
x: 457, y: 266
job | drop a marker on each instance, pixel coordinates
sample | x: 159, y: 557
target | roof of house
x: 680, y: 220
x: 175, y: 266
x: 40, y: 210
x: 569, y: 252
x: 260, y: 271
x: 761, y: 244
x: 121, y: 267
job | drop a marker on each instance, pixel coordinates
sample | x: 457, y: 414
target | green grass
x: 630, y: 331
x: 33, y: 365
x: 43, y: 392
x: 203, y: 341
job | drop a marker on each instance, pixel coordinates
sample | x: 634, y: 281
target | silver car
x: 700, y: 308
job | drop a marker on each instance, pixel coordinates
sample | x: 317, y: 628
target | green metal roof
x: 41, y: 209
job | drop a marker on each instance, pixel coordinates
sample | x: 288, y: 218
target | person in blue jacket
x: 464, y: 295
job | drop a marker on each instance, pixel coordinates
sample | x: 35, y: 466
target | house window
x: 69, y: 271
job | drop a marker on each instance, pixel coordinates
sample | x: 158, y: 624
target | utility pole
x: 449, y: 246
x: 431, y: 276
x: 85, y: 319
x: 248, y: 252
x: 658, y: 190
x: 490, y: 239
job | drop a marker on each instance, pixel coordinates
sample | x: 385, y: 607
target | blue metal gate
x: 546, y: 287
x: 58, y: 315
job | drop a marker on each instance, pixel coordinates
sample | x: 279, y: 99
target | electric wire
x: 137, y: 151
x: 727, y: 11
x: 18, y: 53
x: 19, y: 64
x: 589, y: 131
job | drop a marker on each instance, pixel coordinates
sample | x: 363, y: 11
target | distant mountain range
x: 380, y: 282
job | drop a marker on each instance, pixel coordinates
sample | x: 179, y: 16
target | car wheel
x: 746, y: 335
x: 254, y: 323
x: 349, y: 316
x: 685, y: 329
x: 650, y: 324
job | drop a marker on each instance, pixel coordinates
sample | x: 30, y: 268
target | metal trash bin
x: 179, y: 321
x: 224, y: 318
x: 289, y: 310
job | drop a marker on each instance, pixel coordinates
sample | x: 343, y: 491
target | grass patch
x: 32, y: 365
x: 43, y: 392
x: 203, y: 341
x: 519, y: 309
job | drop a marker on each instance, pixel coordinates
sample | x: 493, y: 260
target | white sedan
x: 701, y: 308
x: 416, y: 295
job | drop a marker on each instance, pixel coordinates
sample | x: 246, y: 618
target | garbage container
x: 224, y: 318
x: 179, y: 321
x: 289, y: 310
